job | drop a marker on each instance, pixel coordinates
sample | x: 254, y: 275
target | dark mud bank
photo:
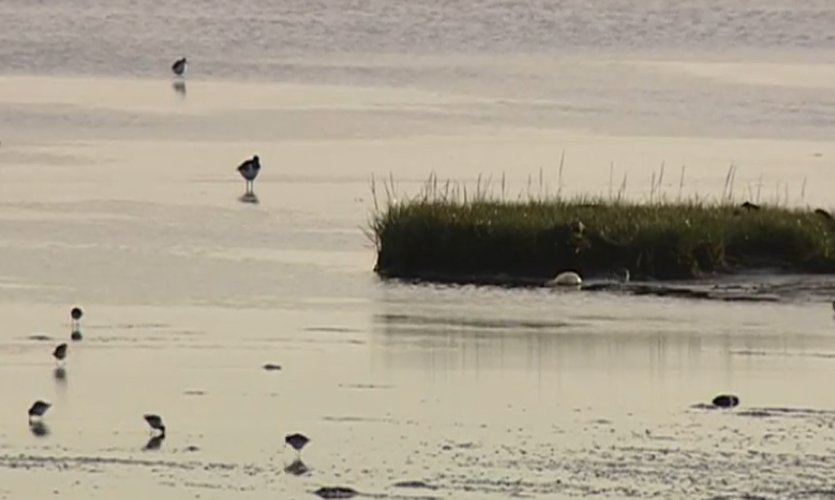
x: 748, y: 287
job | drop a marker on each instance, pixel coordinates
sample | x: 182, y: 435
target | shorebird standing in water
x: 179, y: 67
x: 155, y: 421
x: 249, y: 171
x: 37, y: 409
x: 296, y: 441
x: 60, y: 353
x: 76, y: 313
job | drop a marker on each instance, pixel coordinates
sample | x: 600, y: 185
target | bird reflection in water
x: 179, y: 87
x: 60, y: 374
x: 297, y: 468
x: 248, y: 198
x: 154, y: 443
x: 39, y: 429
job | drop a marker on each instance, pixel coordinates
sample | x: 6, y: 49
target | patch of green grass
x: 446, y: 232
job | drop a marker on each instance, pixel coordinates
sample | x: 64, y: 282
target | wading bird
x: 296, y: 441
x: 60, y: 353
x: 249, y: 171
x: 179, y: 67
x: 155, y: 421
x: 76, y: 313
x: 37, y: 409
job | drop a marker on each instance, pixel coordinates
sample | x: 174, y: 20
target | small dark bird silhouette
x: 155, y: 421
x: 180, y: 66
x: 296, y: 441
x: 726, y: 401
x: 60, y: 353
x: 38, y: 409
x: 76, y: 313
x: 823, y: 213
x: 249, y: 171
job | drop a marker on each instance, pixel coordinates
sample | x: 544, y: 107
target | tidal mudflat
x: 119, y: 193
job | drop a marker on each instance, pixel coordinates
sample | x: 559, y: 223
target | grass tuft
x: 449, y: 232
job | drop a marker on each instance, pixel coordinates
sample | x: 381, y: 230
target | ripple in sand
x: 330, y: 329
x: 414, y: 484
x: 358, y: 419
x: 366, y: 386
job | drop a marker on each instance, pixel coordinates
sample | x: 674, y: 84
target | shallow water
x: 118, y: 193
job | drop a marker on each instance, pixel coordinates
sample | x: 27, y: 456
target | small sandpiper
x: 249, y: 171
x: 296, y: 441
x: 37, y: 409
x: 60, y: 353
x: 155, y: 421
x: 76, y: 313
x: 179, y: 67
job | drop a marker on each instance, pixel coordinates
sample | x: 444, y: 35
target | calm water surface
x: 119, y: 193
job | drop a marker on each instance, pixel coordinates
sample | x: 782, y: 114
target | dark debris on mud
x: 329, y: 492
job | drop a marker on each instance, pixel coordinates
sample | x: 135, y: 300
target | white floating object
x: 567, y: 278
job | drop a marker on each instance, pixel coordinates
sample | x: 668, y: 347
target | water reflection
x: 180, y: 88
x: 456, y: 342
x: 297, y: 468
x: 39, y: 429
x: 154, y: 443
x: 469, y: 328
x: 60, y: 374
x: 248, y: 197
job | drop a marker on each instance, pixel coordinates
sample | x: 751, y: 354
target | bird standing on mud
x: 37, y: 409
x: 249, y: 171
x: 60, y: 353
x: 155, y: 421
x: 296, y: 441
x: 180, y: 66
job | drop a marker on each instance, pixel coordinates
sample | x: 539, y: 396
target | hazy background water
x: 120, y: 194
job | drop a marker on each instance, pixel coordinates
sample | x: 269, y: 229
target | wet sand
x: 121, y: 196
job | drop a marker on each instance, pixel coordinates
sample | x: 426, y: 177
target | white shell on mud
x: 567, y: 278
